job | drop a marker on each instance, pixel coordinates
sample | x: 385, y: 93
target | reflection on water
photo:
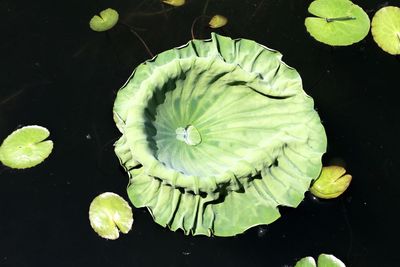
x: 58, y: 73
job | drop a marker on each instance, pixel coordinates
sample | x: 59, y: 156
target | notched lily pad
x: 324, y: 260
x: 331, y: 183
x: 306, y: 262
x: 385, y: 29
x: 110, y: 214
x: 327, y: 260
x: 26, y: 147
x: 337, y: 22
x: 174, y: 2
x: 107, y: 19
x: 218, y: 21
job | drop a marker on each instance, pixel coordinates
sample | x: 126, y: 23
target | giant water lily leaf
x: 385, y: 28
x: 324, y: 260
x: 337, y: 22
x: 109, y: 214
x: 216, y: 134
x: 26, y: 147
x: 105, y: 21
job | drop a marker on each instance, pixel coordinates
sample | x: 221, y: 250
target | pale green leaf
x: 105, y: 21
x: 26, y: 147
x: 337, y: 22
x: 385, y: 28
x: 326, y: 260
x: 331, y: 183
x: 110, y: 214
x: 213, y: 127
x: 306, y: 262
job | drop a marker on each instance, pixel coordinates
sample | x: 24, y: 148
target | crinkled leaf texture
x: 256, y: 141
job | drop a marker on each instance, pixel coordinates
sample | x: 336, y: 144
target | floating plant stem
x: 139, y: 37
x: 205, y: 7
x: 194, y: 23
x: 340, y: 19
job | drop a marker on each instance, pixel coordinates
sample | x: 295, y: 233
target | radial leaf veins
x: 216, y: 134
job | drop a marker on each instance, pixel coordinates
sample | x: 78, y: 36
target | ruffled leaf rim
x: 183, y: 202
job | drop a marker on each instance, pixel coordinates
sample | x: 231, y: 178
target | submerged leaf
x: 385, y: 29
x: 109, y: 212
x: 25, y: 147
x: 174, y: 2
x: 216, y: 134
x: 218, y: 21
x: 337, y: 22
x: 331, y: 183
x: 107, y: 19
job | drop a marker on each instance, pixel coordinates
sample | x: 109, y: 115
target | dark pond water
x: 56, y: 72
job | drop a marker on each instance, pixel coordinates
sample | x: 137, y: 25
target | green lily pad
x: 174, y: 2
x: 337, y: 22
x: 214, y: 127
x: 385, y: 29
x: 331, y: 183
x: 306, y: 262
x: 107, y: 19
x: 109, y: 214
x: 25, y: 147
x: 217, y: 21
x: 324, y: 260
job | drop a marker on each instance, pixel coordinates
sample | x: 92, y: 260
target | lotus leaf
x: 385, y: 29
x: 26, y: 147
x: 216, y: 134
x: 337, y: 22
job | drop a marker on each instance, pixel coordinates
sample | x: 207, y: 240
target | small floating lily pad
x: 25, y: 147
x: 385, y: 29
x: 107, y: 19
x: 337, y: 22
x: 110, y: 214
x: 218, y: 21
x: 306, y: 262
x: 324, y: 260
x: 331, y: 183
x: 174, y: 2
